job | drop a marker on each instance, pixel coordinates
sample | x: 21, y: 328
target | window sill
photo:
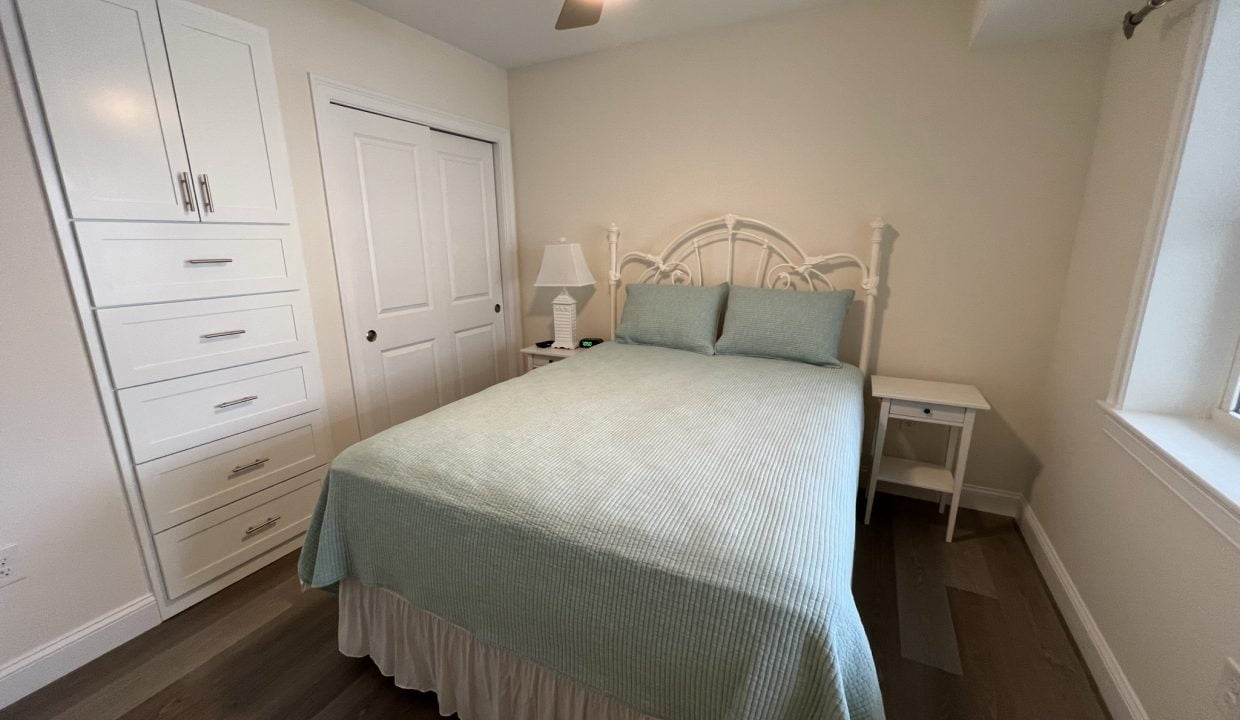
x: 1197, y: 458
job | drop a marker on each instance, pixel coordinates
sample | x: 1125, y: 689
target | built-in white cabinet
x: 158, y: 129
x: 110, y: 108
x: 160, y: 111
x: 230, y: 114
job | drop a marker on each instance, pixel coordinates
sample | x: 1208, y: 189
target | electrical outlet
x: 1227, y: 697
x: 10, y: 565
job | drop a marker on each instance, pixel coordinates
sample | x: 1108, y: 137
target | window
x: 1184, y: 359
x: 1177, y: 386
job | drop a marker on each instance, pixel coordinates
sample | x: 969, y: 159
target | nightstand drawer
x: 928, y: 411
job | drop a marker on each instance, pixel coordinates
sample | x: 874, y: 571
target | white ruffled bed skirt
x: 421, y: 651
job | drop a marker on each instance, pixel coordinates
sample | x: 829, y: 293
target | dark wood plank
x: 927, y: 634
x: 1017, y: 660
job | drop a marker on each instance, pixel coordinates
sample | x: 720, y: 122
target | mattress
x: 672, y: 530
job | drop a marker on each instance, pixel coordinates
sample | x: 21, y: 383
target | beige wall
x: 816, y: 122
x: 60, y: 490
x: 1159, y: 581
x: 343, y: 41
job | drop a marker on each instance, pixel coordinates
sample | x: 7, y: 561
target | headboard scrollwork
x: 775, y: 262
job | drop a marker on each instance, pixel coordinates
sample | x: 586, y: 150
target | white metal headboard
x: 781, y: 264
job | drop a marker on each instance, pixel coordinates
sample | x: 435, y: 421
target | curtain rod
x: 1133, y: 19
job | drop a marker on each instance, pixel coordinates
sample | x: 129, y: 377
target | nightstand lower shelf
x: 921, y: 401
x: 916, y: 474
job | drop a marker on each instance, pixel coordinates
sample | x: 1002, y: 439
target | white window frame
x: 1195, y: 455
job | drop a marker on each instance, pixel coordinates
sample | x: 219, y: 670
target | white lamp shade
x: 563, y: 265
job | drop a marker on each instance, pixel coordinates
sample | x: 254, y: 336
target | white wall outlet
x: 10, y: 565
x: 1227, y: 697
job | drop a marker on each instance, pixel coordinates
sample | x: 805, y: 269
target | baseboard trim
x: 1113, y: 685
x: 973, y: 497
x: 62, y: 656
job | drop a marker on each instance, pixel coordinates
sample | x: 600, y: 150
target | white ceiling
x: 513, y: 33
x: 1000, y: 22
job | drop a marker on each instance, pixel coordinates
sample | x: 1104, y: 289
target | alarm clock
x: 589, y: 342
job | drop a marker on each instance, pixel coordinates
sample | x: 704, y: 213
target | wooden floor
x: 965, y: 630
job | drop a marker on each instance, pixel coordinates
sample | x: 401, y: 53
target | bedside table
x: 537, y: 357
x: 928, y: 402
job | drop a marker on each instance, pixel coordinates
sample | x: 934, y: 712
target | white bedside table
x: 928, y: 402
x: 537, y: 357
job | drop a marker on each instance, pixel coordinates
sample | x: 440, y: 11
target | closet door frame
x: 326, y: 92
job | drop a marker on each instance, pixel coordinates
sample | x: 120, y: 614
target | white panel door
x: 414, y: 230
x: 108, y: 99
x: 470, y: 230
x: 230, y: 112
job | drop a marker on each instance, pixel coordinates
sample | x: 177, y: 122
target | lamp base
x: 564, y: 312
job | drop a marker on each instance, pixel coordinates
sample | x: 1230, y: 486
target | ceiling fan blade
x: 579, y: 13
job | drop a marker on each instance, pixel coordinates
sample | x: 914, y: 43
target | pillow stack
x: 759, y: 322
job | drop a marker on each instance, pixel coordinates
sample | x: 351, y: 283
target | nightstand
x: 928, y: 402
x: 537, y: 357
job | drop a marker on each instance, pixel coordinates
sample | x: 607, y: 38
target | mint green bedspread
x: 672, y: 529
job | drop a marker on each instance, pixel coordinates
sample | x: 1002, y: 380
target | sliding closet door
x: 469, y: 229
x: 414, y: 230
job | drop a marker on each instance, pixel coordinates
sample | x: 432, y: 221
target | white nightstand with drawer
x: 536, y: 357
x: 930, y: 402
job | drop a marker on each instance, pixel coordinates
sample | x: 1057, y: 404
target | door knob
x: 497, y: 307
x: 371, y: 335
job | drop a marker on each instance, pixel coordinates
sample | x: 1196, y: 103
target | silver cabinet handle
x: 226, y: 333
x: 238, y: 401
x: 209, y: 261
x: 187, y: 193
x: 265, y: 525
x: 251, y: 466
x: 207, y: 203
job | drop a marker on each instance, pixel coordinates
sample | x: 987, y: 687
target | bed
x: 635, y: 532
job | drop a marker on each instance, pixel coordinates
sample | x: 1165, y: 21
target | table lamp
x: 564, y: 266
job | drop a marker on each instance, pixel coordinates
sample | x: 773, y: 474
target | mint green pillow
x: 785, y: 324
x: 684, y: 317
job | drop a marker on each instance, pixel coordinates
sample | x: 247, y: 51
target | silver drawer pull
x: 226, y: 333
x: 265, y: 525
x: 251, y: 466
x: 207, y: 203
x: 187, y: 195
x: 209, y: 261
x: 238, y: 401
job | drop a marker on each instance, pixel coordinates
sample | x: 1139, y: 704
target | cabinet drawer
x: 928, y: 411
x: 196, y: 552
x: 170, y: 416
x: 183, y: 486
x: 148, y: 343
x: 131, y: 263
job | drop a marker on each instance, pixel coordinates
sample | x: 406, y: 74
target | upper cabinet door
x: 230, y: 114
x: 107, y: 94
